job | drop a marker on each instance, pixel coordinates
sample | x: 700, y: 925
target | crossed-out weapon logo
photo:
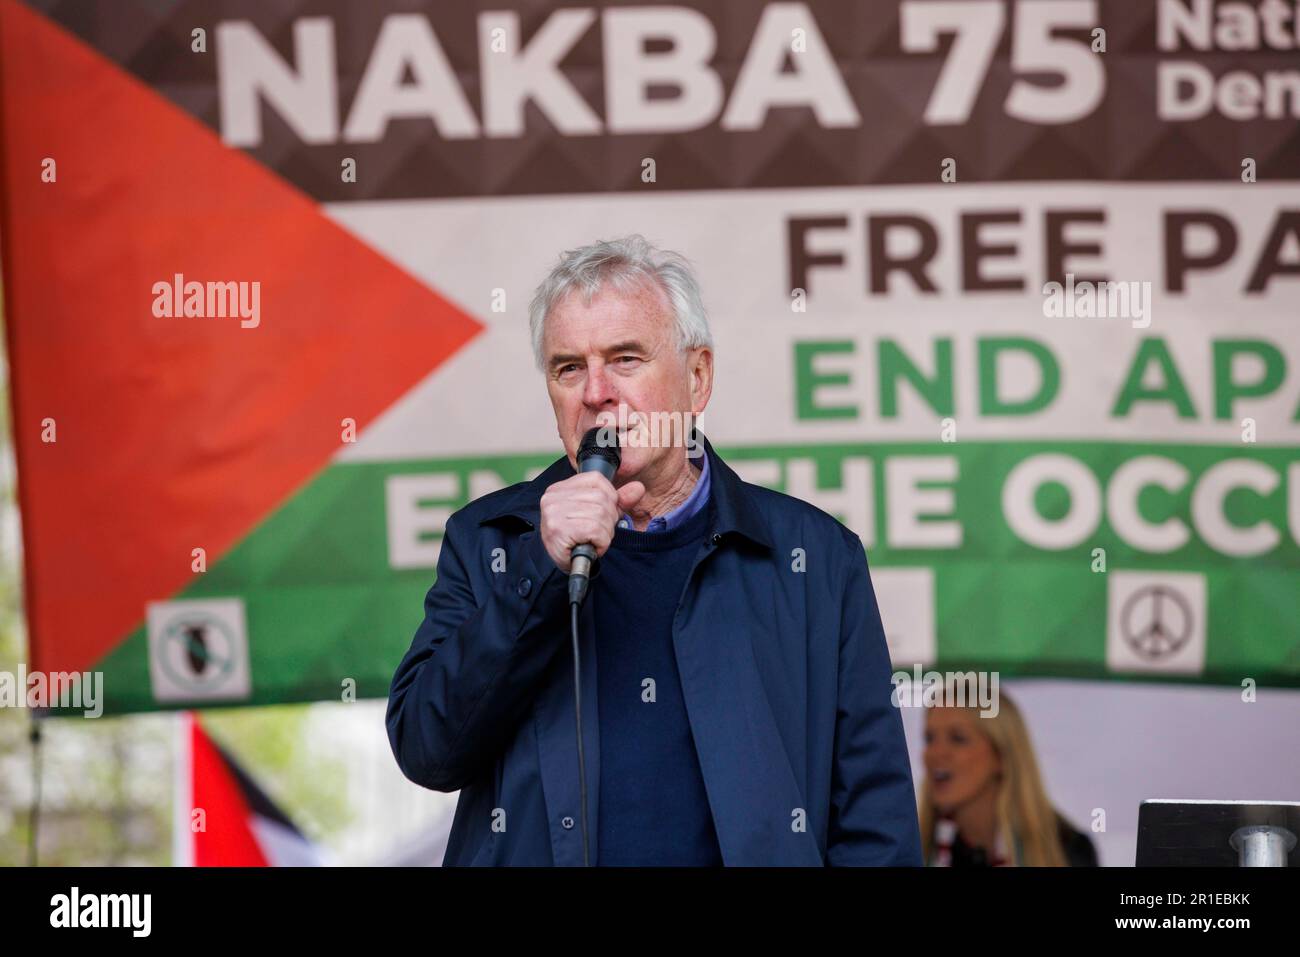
x: 198, y: 649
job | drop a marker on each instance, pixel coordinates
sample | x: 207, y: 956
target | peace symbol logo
x: 1156, y: 621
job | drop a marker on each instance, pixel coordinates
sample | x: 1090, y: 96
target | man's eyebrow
x: 631, y: 345
x: 564, y: 359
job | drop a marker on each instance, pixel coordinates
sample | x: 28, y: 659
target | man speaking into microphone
x: 723, y: 654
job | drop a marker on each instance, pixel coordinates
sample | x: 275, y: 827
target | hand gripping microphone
x: 598, y: 452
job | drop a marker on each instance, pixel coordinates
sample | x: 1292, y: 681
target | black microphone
x: 598, y: 452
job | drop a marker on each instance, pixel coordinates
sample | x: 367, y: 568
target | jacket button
x: 717, y: 537
x: 524, y: 587
x: 567, y: 823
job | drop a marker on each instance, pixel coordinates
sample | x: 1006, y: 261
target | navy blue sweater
x: 653, y: 808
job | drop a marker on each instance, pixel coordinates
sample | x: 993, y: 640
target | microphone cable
x: 577, y: 715
x: 597, y: 452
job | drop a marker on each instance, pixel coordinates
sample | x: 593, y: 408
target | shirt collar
x: 698, y: 498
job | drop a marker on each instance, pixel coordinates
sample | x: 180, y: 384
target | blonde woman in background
x: 982, y: 801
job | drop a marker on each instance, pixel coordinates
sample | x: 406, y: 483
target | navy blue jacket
x: 784, y: 668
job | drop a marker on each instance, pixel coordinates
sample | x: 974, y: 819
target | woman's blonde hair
x: 1026, y: 819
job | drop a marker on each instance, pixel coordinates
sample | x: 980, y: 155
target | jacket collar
x: 736, y: 512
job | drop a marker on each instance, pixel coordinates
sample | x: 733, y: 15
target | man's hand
x: 583, y: 508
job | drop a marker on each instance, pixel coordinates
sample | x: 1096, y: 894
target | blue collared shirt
x: 698, y: 498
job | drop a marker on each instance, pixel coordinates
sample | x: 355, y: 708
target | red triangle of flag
x: 171, y: 433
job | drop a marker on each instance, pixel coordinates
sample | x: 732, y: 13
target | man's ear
x: 699, y: 367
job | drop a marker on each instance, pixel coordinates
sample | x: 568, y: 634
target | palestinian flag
x: 222, y: 818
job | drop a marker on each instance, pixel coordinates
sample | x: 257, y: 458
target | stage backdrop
x: 1011, y: 288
